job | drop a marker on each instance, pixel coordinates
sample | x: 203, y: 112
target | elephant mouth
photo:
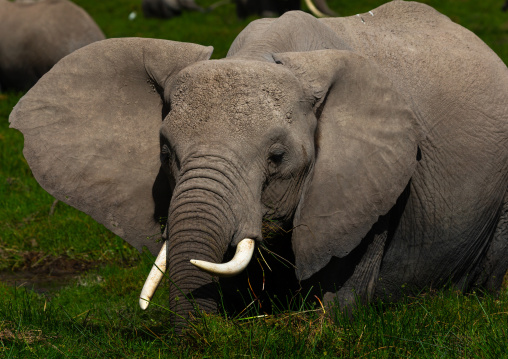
x: 241, y: 259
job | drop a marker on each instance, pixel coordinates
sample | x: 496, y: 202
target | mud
x: 45, y: 273
x: 42, y: 284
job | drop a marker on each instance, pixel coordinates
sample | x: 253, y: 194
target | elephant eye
x: 169, y: 159
x: 165, y: 154
x: 276, y: 158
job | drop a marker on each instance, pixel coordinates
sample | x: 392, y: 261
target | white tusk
x: 154, y: 278
x: 243, y: 255
x: 313, y: 9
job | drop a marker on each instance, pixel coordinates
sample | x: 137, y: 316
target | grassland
x: 86, y: 281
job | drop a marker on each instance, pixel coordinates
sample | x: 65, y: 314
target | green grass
x: 94, y: 318
x: 96, y: 314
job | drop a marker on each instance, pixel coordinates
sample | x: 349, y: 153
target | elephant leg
x: 362, y: 283
x: 494, y: 266
x: 360, y: 268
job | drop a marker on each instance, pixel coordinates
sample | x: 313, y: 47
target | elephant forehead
x: 234, y: 98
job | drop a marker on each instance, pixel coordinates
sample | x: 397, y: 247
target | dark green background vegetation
x: 86, y: 281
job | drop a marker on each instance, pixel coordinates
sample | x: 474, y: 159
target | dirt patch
x: 45, y: 264
x: 45, y: 273
x: 26, y: 336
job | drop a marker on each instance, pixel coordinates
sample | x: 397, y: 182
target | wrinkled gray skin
x: 167, y: 9
x: 380, y: 138
x: 36, y: 35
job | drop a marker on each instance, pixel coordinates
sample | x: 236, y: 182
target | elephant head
x: 153, y: 139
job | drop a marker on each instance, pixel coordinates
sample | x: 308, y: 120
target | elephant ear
x: 91, y: 129
x: 366, y: 149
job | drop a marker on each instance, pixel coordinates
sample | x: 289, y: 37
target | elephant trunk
x: 207, y: 214
x: 200, y: 228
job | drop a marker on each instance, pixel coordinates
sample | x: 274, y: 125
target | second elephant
x: 36, y: 35
x: 271, y: 8
x: 166, y: 9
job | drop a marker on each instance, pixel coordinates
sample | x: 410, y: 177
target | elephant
x: 373, y: 141
x: 36, y: 35
x: 267, y: 8
x: 167, y: 9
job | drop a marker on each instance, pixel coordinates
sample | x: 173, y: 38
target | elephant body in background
x: 167, y: 9
x: 270, y: 8
x: 245, y: 8
x: 36, y: 35
x: 374, y: 141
